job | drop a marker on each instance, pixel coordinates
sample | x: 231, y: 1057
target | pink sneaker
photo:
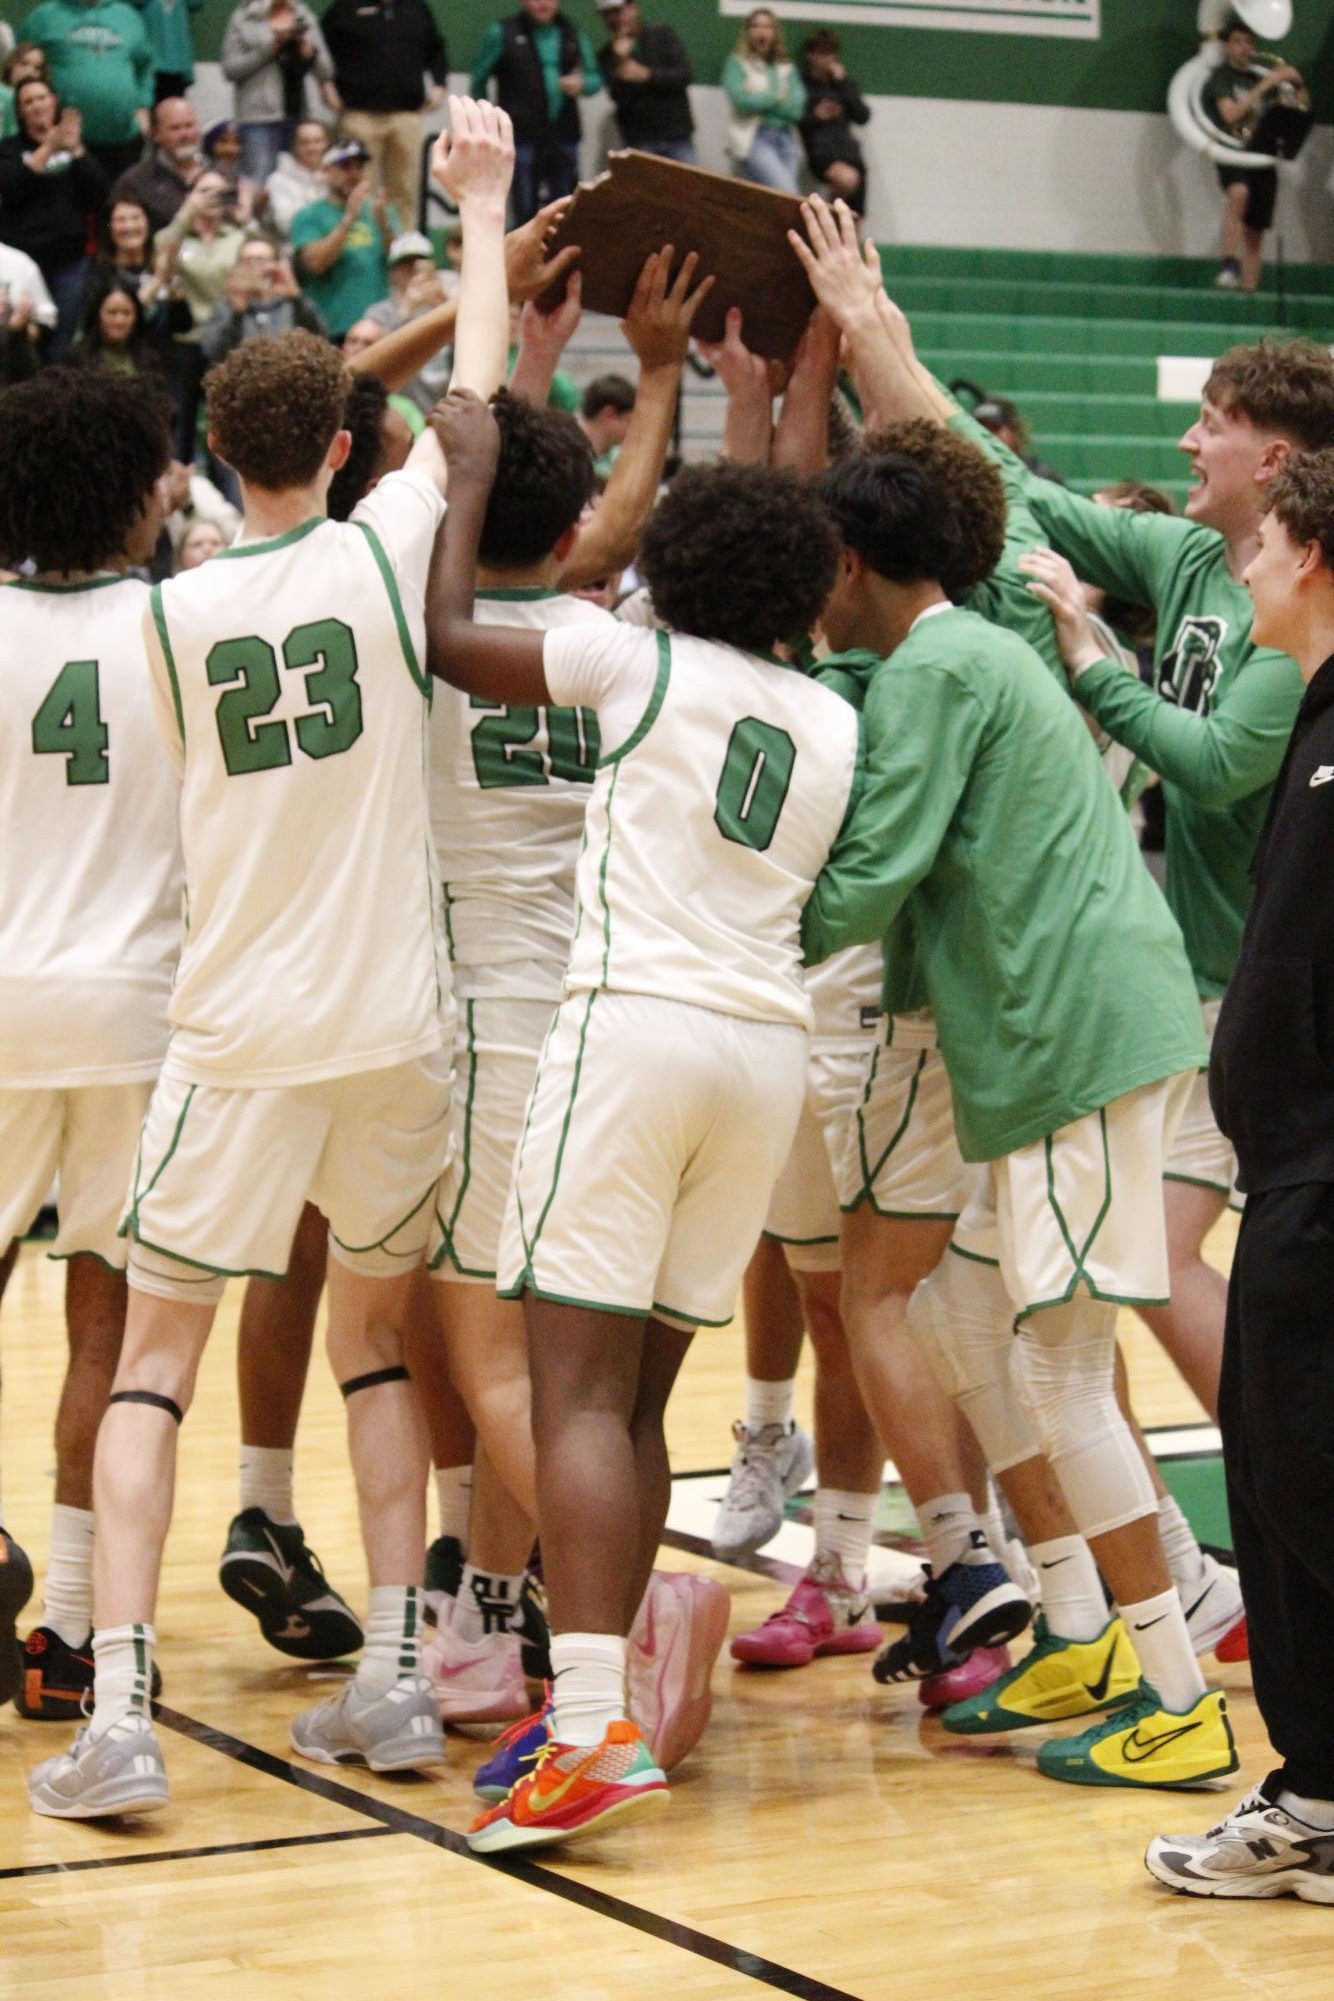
x: 824, y: 1615
x: 478, y: 1683
x: 974, y: 1673
x: 674, y: 1642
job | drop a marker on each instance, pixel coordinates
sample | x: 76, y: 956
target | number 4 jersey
x: 289, y: 686
x: 90, y: 867
x: 723, y: 782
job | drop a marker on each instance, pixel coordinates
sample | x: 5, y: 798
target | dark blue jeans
x: 668, y: 149
x: 65, y: 283
x: 542, y: 173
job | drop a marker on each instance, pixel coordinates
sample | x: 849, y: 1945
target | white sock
x: 843, y: 1524
x: 1185, y: 1559
x: 1315, y: 1813
x: 266, y: 1481
x: 67, y: 1607
x: 122, y: 1686
x: 453, y: 1493
x: 1073, y: 1603
x: 587, y: 1685
x: 487, y: 1603
x: 1157, y: 1629
x: 768, y: 1403
x: 949, y: 1523
x: 393, y: 1623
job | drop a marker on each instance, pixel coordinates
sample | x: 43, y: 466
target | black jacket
x: 48, y: 215
x: 381, y: 50
x: 659, y: 108
x: 521, y: 87
x: 827, y: 139
x: 1271, y: 1077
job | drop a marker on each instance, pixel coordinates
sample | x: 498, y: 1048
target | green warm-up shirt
x: 99, y: 60
x: 1056, y: 972
x: 1216, y: 724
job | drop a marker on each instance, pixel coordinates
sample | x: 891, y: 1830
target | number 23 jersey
x: 723, y: 782
x: 90, y: 865
x: 289, y: 686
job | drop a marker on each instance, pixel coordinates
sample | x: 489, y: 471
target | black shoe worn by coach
x: 15, y: 1591
x: 268, y: 1568
x: 57, y: 1677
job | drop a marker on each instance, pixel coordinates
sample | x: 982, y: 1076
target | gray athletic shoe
x: 394, y: 1732
x: 767, y: 1466
x: 120, y: 1771
x: 1257, y: 1850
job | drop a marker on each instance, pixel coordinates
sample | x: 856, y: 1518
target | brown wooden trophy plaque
x: 738, y: 229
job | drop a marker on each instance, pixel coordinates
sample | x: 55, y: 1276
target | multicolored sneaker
x: 977, y: 1671
x: 1143, y: 1744
x: 1212, y: 1605
x: 769, y: 1464
x: 476, y: 1683
x: 1257, y: 1850
x: 395, y: 1730
x: 516, y: 1752
x: 1236, y: 1644
x: 120, y: 1771
x: 573, y: 1791
x: 969, y: 1605
x: 15, y: 1591
x: 58, y: 1679
x: 675, y: 1640
x: 1058, y: 1679
x: 443, y: 1575
x: 824, y: 1615
x: 268, y: 1567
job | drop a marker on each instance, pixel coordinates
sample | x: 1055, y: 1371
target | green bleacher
x: 1074, y: 340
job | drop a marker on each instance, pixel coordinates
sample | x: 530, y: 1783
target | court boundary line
x: 398, y: 1820
x: 192, y: 1854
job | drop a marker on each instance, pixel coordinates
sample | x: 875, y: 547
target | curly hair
x: 543, y: 483
x: 273, y: 407
x: 1302, y: 497
x: 743, y: 554
x: 1280, y: 385
x: 363, y: 416
x: 80, y: 453
x: 974, y: 485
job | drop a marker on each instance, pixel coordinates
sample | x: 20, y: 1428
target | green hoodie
x: 167, y: 23
x: 99, y: 61
x: 1056, y: 972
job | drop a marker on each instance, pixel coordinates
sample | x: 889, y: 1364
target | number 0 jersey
x: 288, y: 682
x: 90, y: 866
x: 722, y: 784
x: 508, y: 791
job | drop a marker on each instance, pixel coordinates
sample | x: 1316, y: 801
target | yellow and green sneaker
x: 1058, y: 1679
x: 1144, y: 1744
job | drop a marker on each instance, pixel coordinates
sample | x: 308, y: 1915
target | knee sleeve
x: 375, y: 1262
x: 1064, y: 1368
x: 170, y: 1278
x: 963, y: 1321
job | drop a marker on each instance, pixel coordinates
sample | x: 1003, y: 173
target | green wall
x: 1142, y: 43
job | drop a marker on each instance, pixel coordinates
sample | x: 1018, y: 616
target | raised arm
x: 474, y: 162
x: 657, y: 327
x: 847, y: 282
x: 500, y: 663
x: 545, y: 331
x: 801, y: 441
x: 748, y: 428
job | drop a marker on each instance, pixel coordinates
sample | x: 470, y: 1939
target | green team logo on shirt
x: 1189, y: 673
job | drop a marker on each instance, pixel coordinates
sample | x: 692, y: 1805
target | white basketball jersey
x: 845, y: 993
x: 90, y: 866
x: 508, y: 791
x: 723, y: 783
x: 288, y: 676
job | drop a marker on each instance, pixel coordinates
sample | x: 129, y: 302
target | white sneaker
x: 767, y: 1466
x: 476, y: 1682
x: 1227, y: 280
x: 395, y: 1731
x: 1212, y: 1605
x: 120, y: 1771
x: 1259, y: 1850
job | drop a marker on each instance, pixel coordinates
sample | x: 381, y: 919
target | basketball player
x: 90, y: 899
x: 669, y: 1086
x: 277, y: 1088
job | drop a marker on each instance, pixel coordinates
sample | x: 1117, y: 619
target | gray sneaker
x: 120, y: 1771
x: 767, y: 1466
x: 394, y: 1732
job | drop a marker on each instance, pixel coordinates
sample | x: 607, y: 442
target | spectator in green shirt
x: 768, y: 100
x: 172, y: 43
x: 99, y: 61
x: 342, y: 243
x: 542, y: 65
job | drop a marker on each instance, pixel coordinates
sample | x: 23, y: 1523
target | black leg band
x: 152, y: 1399
x: 374, y: 1380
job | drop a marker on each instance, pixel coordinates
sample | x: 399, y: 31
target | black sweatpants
x: 1276, y: 1410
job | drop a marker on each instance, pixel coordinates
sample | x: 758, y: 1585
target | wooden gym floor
x: 824, y: 1840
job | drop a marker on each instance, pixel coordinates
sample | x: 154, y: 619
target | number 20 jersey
x: 289, y: 683
x: 90, y: 866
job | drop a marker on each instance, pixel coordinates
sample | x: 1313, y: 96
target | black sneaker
x: 969, y: 1605
x: 533, y: 1630
x: 444, y: 1574
x: 268, y: 1568
x: 15, y: 1591
x: 57, y: 1677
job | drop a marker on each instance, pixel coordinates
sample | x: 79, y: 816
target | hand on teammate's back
x: 658, y: 323
x: 474, y: 160
x: 1052, y: 579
